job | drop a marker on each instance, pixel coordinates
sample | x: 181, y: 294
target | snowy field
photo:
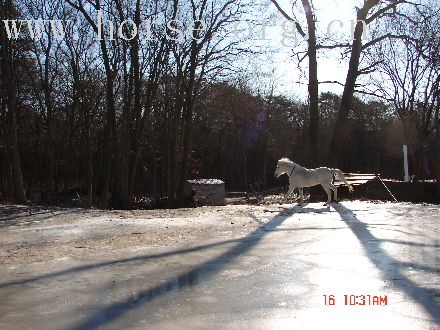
x: 238, y: 266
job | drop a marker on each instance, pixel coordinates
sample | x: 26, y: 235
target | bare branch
x: 388, y: 36
x: 331, y: 82
x: 298, y: 27
x: 382, y: 11
x: 375, y: 94
x: 369, y: 69
x: 333, y: 46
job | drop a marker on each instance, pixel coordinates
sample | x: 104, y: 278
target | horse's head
x: 283, y: 166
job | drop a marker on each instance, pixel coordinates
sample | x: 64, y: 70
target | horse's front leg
x: 290, y: 191
x: 335, y: 192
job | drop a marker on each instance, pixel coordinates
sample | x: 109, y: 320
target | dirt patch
x: 37, y: 234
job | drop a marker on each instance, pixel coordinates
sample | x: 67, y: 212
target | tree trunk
x: 188, y: 114
x: 187, y: 135
x: 313, y: 154
x: 245, y: 174
x: 89, y: 167
x: 349, y: 87
x: 9, y: 93
x: 110, y: 129
x: 48, y: 107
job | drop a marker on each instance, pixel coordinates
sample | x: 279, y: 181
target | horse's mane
x: 286, y: 161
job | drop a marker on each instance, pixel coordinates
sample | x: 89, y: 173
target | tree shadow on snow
x: 193, y: 277
x: 391, y: 268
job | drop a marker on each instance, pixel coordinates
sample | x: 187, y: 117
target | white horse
x: 300, y: 177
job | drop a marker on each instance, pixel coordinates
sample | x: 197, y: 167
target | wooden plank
x: 360, y: 177
x: 353, y: 183
x: 355, y: 179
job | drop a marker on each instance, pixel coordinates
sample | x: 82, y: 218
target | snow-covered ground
x: 57, y: 235
x: 241, y: 266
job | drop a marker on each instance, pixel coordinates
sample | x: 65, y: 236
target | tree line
x: 117, y: 118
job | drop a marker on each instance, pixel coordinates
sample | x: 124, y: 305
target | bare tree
x: 312, y: 47
x: 45, y: 52
x: 81, y: 62
x: 129, y: 64
x: 8, y: 66
x: 371, y: 12
x: 408, y: 77
x: 207, y: 52
x: 110, y: 130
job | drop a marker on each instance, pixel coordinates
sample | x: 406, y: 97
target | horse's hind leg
x: 335, y: 192
x: 301, y: 196
x: 329, y: 195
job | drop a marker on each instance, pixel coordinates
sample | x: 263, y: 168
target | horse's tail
x: 338, y: 174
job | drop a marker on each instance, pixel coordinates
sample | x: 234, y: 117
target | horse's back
x: 311, y: 177
x: 324, y: 171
